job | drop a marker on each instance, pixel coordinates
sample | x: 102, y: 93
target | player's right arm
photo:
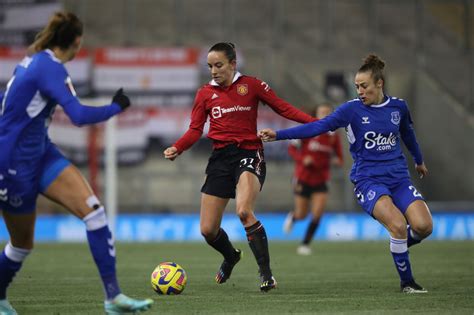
x: 193, y: 134
x: 55, y: 84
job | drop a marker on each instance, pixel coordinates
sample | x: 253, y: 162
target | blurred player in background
x: 313, y: 157
x: 236, y: 168
x: 30, y: 164
x: 375, y: 124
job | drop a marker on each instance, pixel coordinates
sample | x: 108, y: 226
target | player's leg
x: 21, y: 230
x: 212, y: 209
x: 411, y: 203
x: 71, y: 190
x: 420, y: 223
x: 301, y: 207
x: 248, y: 188
x: 391, y: 217
x: 318, y: 203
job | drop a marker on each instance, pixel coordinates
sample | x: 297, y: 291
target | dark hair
x: 227, y: 48
x: 374, y: 64
x: 61, y: 31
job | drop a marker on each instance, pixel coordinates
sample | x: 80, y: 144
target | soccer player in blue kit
x: 375, y: 123
x: 30, y: 164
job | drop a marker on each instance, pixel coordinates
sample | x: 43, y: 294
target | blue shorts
x: 402, y: 193
x: 19, y: 189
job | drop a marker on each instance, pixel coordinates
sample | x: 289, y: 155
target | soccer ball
x: 168, y: 278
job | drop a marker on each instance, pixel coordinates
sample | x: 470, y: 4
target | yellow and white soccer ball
x: 168, y: 278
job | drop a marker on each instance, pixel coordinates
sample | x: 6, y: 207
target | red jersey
x: 232, y: 113
x: 320, y: 148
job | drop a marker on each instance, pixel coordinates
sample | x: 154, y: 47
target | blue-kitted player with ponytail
x: 376, y: 124
x: 30, y: 164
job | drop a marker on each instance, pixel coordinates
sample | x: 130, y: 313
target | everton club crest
x: 395, y: 118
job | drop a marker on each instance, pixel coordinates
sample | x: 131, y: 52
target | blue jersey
x: 39, y: 83
x: 374, y: 132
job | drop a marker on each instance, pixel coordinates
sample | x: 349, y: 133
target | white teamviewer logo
x: 218, y: 111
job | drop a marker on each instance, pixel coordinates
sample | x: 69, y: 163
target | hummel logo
x: 110, y: 241
x: 402, y: 266
x: 3, y: 194
x: 214, y: 96
x: 365, y: 120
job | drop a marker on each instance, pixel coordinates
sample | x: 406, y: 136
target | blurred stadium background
x: 307, y: 50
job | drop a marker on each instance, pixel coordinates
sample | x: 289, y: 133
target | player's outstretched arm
x: 171, y: 153
x: 267, y: 135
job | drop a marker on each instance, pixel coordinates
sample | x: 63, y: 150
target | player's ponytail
x: 227, y: 48
x: 61, y: 31
x: 375, y: 65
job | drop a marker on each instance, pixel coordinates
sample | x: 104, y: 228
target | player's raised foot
x: 288, y: 223
x: 6, y: 308
x: 123, y: 304
x: 304, y: 250
x: 268, y: 284
x: 412, y: 288
x: 226, y: 267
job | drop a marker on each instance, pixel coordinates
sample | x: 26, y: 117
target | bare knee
x: 209, y: 233
x: 398, y: 229
x: 423, y: 229
x: 246, y: 216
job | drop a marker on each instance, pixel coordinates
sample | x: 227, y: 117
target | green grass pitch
x: 340, y: 277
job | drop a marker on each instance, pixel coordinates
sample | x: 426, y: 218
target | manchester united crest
x: 242, y: 89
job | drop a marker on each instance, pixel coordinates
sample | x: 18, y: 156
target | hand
x: 121, y: 99
x: 267, y: 135
x: 171, y: 153
x: 421, y: 170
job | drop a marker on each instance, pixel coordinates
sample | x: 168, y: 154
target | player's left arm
x: 56, y: 85
x: 408, y: 136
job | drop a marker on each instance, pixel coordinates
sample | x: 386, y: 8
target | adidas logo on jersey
x: 214, y: 96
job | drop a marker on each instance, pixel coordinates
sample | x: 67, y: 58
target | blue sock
x: 399, y: 250
x: 102, y: 248
x: 11, y: 260
x: 413, y: 238
x: 8, y: 270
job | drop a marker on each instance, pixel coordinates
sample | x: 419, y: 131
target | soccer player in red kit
x: 236, y: 168
x: 313, y: 157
